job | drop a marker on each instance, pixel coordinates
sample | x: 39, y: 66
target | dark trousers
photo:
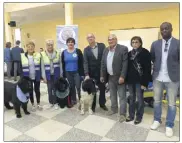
x: 102, y: 97
x: 74, y: 81
x: 51, y: 90
x: 17, y: 68
x: 36, y: 86
x: 136, y: 91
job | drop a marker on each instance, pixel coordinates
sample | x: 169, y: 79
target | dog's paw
x: 27, y: 113
x: 82, y: 112
x: 90, y: 111
x: 18, y: 116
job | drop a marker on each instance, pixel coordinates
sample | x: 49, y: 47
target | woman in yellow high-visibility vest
x: 51, y: 69
x: 31, y: 68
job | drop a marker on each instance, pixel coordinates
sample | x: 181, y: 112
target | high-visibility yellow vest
x: 25, y: 65
x: 47, y: 65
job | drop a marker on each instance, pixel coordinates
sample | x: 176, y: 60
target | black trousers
x: 102, y: 96
x: 36, y: 86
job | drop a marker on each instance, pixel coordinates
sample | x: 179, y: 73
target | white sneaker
x: 33, y: 108
x: 49, y: 106
x: 82, y: 112
x: 90, y: 111
x: 39, y: 107
x: 56, y: 107
x: 155, y: 125
x: 169, y: 132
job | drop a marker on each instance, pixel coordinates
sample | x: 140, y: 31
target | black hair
x: 24, y: 84
x: 70, y: 39
x: 168, y: 23
x: 89, y: 86
x: 18, y: 42
x: 61, y: 84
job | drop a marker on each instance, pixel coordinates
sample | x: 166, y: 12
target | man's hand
x: 45, y: 81
x: 87, y: 77
x: 121, y: 80
x: 102, y: 79
x: 143, y: 87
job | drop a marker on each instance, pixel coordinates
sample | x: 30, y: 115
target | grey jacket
x: 173, y: 59
x: 16, y: 54
x: 120, y: 62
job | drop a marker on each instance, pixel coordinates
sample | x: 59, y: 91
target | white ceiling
x: 56, y: 11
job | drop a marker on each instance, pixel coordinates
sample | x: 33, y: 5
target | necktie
x: 166, y: 47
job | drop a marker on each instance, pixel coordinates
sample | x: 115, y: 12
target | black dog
x: 11, y: 94
x: 63, y: 93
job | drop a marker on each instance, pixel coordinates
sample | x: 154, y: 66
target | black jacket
x: 80, y: 63
x: 144, y: 59
x: 92, y: 66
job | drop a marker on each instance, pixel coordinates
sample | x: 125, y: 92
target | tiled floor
x: 68, y: 125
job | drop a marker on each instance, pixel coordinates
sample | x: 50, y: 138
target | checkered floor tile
x: 68, y: 125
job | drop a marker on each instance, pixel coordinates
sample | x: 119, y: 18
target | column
x: 7, y: 28
x: 68, y: 13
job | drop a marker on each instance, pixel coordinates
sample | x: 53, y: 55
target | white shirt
x: 163, y: 73
x: 110, y: 57
x: 31, y: 67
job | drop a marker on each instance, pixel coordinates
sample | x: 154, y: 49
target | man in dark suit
x: 92, y: 62
x: 114, y: 69
x: 165, y: 55
x: 16, y: 58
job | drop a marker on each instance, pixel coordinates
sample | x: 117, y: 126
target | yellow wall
x: 100, y: 26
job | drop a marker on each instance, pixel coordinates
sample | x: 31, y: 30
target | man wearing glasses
x: 166, y: 59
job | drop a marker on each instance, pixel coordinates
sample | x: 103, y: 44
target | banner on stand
x: 63, y: 32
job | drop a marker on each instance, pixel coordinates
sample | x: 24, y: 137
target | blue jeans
x: 172, y: 90
x: 74, y: 81
x: 136, y: 91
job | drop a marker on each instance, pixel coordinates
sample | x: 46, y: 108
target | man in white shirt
x: 165, y: 57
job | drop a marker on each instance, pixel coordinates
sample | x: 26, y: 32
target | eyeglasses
x: 166, y: 47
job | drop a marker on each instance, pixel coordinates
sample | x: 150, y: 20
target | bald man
x: 113, y: 70
x: 92, y: 62
x: 165, y: 55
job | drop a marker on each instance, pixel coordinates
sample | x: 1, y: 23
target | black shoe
x: 18, y: 116
x: 27, y: 113
x: 128, y: 119
x: 104, y: 108
x: 137, y: 122
x: 70, y: 106
x: 93, y: 110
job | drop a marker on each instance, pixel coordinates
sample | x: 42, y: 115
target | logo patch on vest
x: 74, y: 55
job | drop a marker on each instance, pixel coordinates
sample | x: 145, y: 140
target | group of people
x: 114, y: 65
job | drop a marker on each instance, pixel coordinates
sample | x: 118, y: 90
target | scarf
x: 51, y: 56
x: 135, y: 52
x: 135, y: 62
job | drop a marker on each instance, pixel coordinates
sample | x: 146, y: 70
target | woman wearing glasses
x: 138, y: 77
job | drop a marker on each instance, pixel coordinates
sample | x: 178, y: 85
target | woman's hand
x: 143, y: 87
